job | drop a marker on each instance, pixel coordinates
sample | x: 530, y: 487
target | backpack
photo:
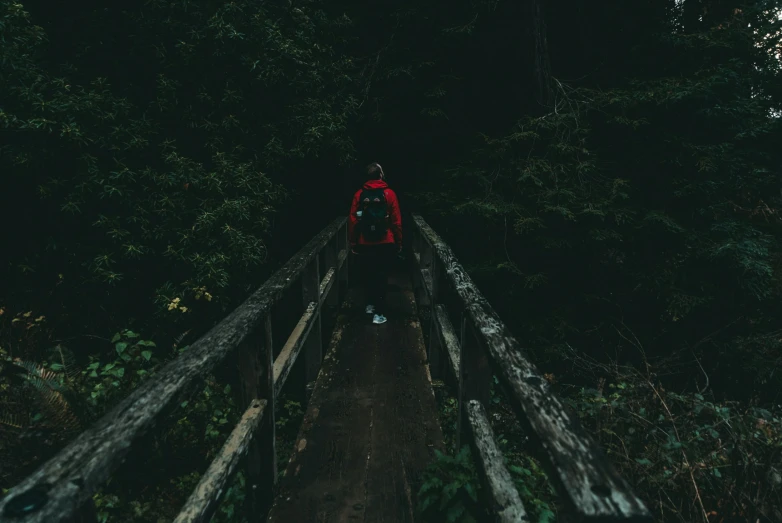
x: 374, y: 214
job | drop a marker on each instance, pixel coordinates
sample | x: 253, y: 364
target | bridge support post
x: 255, y: 362
x: 313, y: 347
x: 475, y: 377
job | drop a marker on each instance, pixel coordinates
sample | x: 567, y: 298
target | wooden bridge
x: 371, y: 425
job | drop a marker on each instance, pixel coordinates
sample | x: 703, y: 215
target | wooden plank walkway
x: 371, y: 426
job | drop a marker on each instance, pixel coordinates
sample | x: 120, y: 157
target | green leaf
x: 146, y: 343
x: 146, y: 354
x: 546, y: 516
x: 643, y: 461
x: 121, y: 346
x: 116, y: 338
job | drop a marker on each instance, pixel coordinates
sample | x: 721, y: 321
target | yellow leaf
x: 2, y: 311
x: 40, y: 318
x: 27, y: 314
x: 183, y: 309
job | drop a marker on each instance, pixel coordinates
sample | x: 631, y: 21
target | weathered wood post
x: 475, y: 376
x: 423, y: 259
x: 313, y: 347
x: 255, y: 361
x: 434, y: 349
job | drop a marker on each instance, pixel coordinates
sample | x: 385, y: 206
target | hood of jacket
x: 375, y: 184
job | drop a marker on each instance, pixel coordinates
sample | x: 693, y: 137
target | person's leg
x: 364, y: 267
x: 371, y: 276
x: 385, y: 258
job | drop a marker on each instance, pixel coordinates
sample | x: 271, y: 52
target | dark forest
x: 610, y: 175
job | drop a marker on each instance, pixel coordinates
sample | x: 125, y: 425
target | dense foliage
x: 631, y: 240
x: 610, y: 174
x: 143, y: 158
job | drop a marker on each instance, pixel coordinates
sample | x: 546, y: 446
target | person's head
x: 375, y: 172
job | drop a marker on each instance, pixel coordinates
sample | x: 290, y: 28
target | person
x: 375, y: 233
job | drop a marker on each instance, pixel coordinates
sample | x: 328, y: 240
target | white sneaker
x: 370, y: 309
x: 379, y: 319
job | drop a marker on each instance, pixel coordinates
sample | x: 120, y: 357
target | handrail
x: 62, y: 488
x: 591, y: 488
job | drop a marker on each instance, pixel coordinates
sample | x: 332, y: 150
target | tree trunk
x: 542, y: 61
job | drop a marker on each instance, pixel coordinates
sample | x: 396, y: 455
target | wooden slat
x: 504, y: 497
x: 72, y: 476
x: 206, y: 497
x: 448, y: 338
x: 577, y: 466
x: 290, y: 351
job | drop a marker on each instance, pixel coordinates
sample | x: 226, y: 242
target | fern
x: 449, y: 491
x: 50, y: 397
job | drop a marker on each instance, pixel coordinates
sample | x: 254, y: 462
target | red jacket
x: 394, y: 233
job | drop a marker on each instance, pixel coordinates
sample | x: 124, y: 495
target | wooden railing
x: 241, y: 347
x: 484, y: 347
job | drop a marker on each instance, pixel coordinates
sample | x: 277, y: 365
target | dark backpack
x: 374, y: 214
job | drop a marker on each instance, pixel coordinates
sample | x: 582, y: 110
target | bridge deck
x: 371, y: 425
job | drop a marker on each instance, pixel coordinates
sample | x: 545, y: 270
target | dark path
x: 371, y: 426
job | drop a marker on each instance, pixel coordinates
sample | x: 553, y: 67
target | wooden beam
x: 72, y: 476
x: 249, y: 369
x: 426, y: 277
x: 262, y: 476
x: 590, y: 486
x: 476, y: 367
x: 503, y: 496
x: 204, y: 500
x: 475, y: 376
x: 448, y: 338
